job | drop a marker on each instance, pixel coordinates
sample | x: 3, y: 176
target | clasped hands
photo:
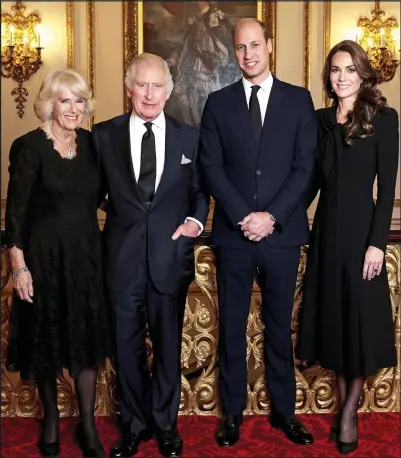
x: 257, y: 225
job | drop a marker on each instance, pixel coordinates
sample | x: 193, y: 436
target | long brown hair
x: 369, y: 98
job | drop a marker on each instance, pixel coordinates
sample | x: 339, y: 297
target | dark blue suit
x: 147, y: 273
x: 243, y: 177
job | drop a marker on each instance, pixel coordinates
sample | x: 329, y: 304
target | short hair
x: 54, y: 83
x: 147, y: 58
x: 262, y: 25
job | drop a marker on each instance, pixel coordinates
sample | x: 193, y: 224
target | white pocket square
x: 185, y: 160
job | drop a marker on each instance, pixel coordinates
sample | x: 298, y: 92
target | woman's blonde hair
x: 54, y: 83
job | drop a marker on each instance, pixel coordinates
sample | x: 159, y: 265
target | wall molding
x: 70, y: 35
x: 326, y: 41
x: 90, y: 30
x: 307, y: 9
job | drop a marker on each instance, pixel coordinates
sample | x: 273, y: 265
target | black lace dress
x: 52, y: 216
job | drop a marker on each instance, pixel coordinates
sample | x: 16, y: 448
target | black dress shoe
x: 228, y: 432
x: 170, y: 443
x: 88, y: 452
x: 126, y: 446
x: 294, y: 431
x: 49, y: 448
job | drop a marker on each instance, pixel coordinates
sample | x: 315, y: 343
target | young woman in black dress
x: 346, y: 318
x: 58, y: 318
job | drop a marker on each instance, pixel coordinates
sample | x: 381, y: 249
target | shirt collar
x: 159, y: 122
x: 265, y: 85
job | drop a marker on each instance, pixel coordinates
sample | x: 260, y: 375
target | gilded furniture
x: 199, y: 395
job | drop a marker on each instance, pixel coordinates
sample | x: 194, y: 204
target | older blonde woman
x: 57, y: 319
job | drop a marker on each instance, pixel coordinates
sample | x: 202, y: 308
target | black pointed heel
x: 88, y: 452
x: 348, y: 447
x: 49, y: 448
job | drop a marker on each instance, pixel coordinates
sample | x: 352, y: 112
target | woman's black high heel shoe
x: 89, y: 452
x: 348, y: 447
x: 49, y: 448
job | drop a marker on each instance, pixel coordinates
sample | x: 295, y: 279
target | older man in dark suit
x: 156, y: 209
x: 257, y: 142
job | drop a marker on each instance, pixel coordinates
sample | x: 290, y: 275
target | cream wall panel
x: 109, y: 59
x: 290, y: 42
x: 54, y: 55
x: 316, y: 53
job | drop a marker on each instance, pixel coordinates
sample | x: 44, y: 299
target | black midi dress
x: 346, y: 322
x: 51, y: 215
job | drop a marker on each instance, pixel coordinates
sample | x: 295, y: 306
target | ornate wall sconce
x: 20, y: 50
x: 377, y: 39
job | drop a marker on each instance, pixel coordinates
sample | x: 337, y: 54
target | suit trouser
x: 276, y: 271
x: 148, y: 401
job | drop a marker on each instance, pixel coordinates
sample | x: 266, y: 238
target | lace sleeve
x: 23, y: 171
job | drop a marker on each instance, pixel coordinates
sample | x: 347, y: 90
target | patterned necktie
x: 147, y: 176
x: 255, y: 115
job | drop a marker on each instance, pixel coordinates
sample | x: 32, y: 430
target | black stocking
x: 47, y: 387
x: 349, y: 426
x: 342, y: 390
x: 85, y: 387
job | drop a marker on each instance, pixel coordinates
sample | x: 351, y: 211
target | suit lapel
x: 172, y: 160
x: 122, y: 152
x: 242, y: 110
x: 272, y: 114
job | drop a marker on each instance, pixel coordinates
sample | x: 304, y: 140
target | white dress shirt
x: 263, y: 93
x: 136, y: 130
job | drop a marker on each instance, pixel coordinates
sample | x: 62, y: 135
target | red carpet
x: 380, y: 436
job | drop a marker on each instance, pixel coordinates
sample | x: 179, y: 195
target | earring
x: 50, y: 117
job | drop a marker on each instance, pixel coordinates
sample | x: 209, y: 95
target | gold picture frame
x: 133, y: 15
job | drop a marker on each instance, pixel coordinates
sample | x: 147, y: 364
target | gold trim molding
x: 326, y: 41
x: 70, y: 34
x: 133, y: 32
x: 307, y: 9
x: 90, y: 12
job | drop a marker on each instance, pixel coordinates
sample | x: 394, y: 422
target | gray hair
x: 147, y: 58
x: 54, y: 83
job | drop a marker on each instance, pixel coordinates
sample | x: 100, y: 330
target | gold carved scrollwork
x: 199, y: 392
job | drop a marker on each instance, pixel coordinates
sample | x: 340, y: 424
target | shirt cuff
x: 189, y: 218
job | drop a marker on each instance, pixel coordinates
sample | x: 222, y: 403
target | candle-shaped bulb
x: 358, y: 34
x: 26, y: 46
x: 12, y: 35
x: 37, y: 29
x: 382, y: 38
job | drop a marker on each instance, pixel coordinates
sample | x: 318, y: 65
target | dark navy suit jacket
x: 130, y: 223
x: 274, y: 177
